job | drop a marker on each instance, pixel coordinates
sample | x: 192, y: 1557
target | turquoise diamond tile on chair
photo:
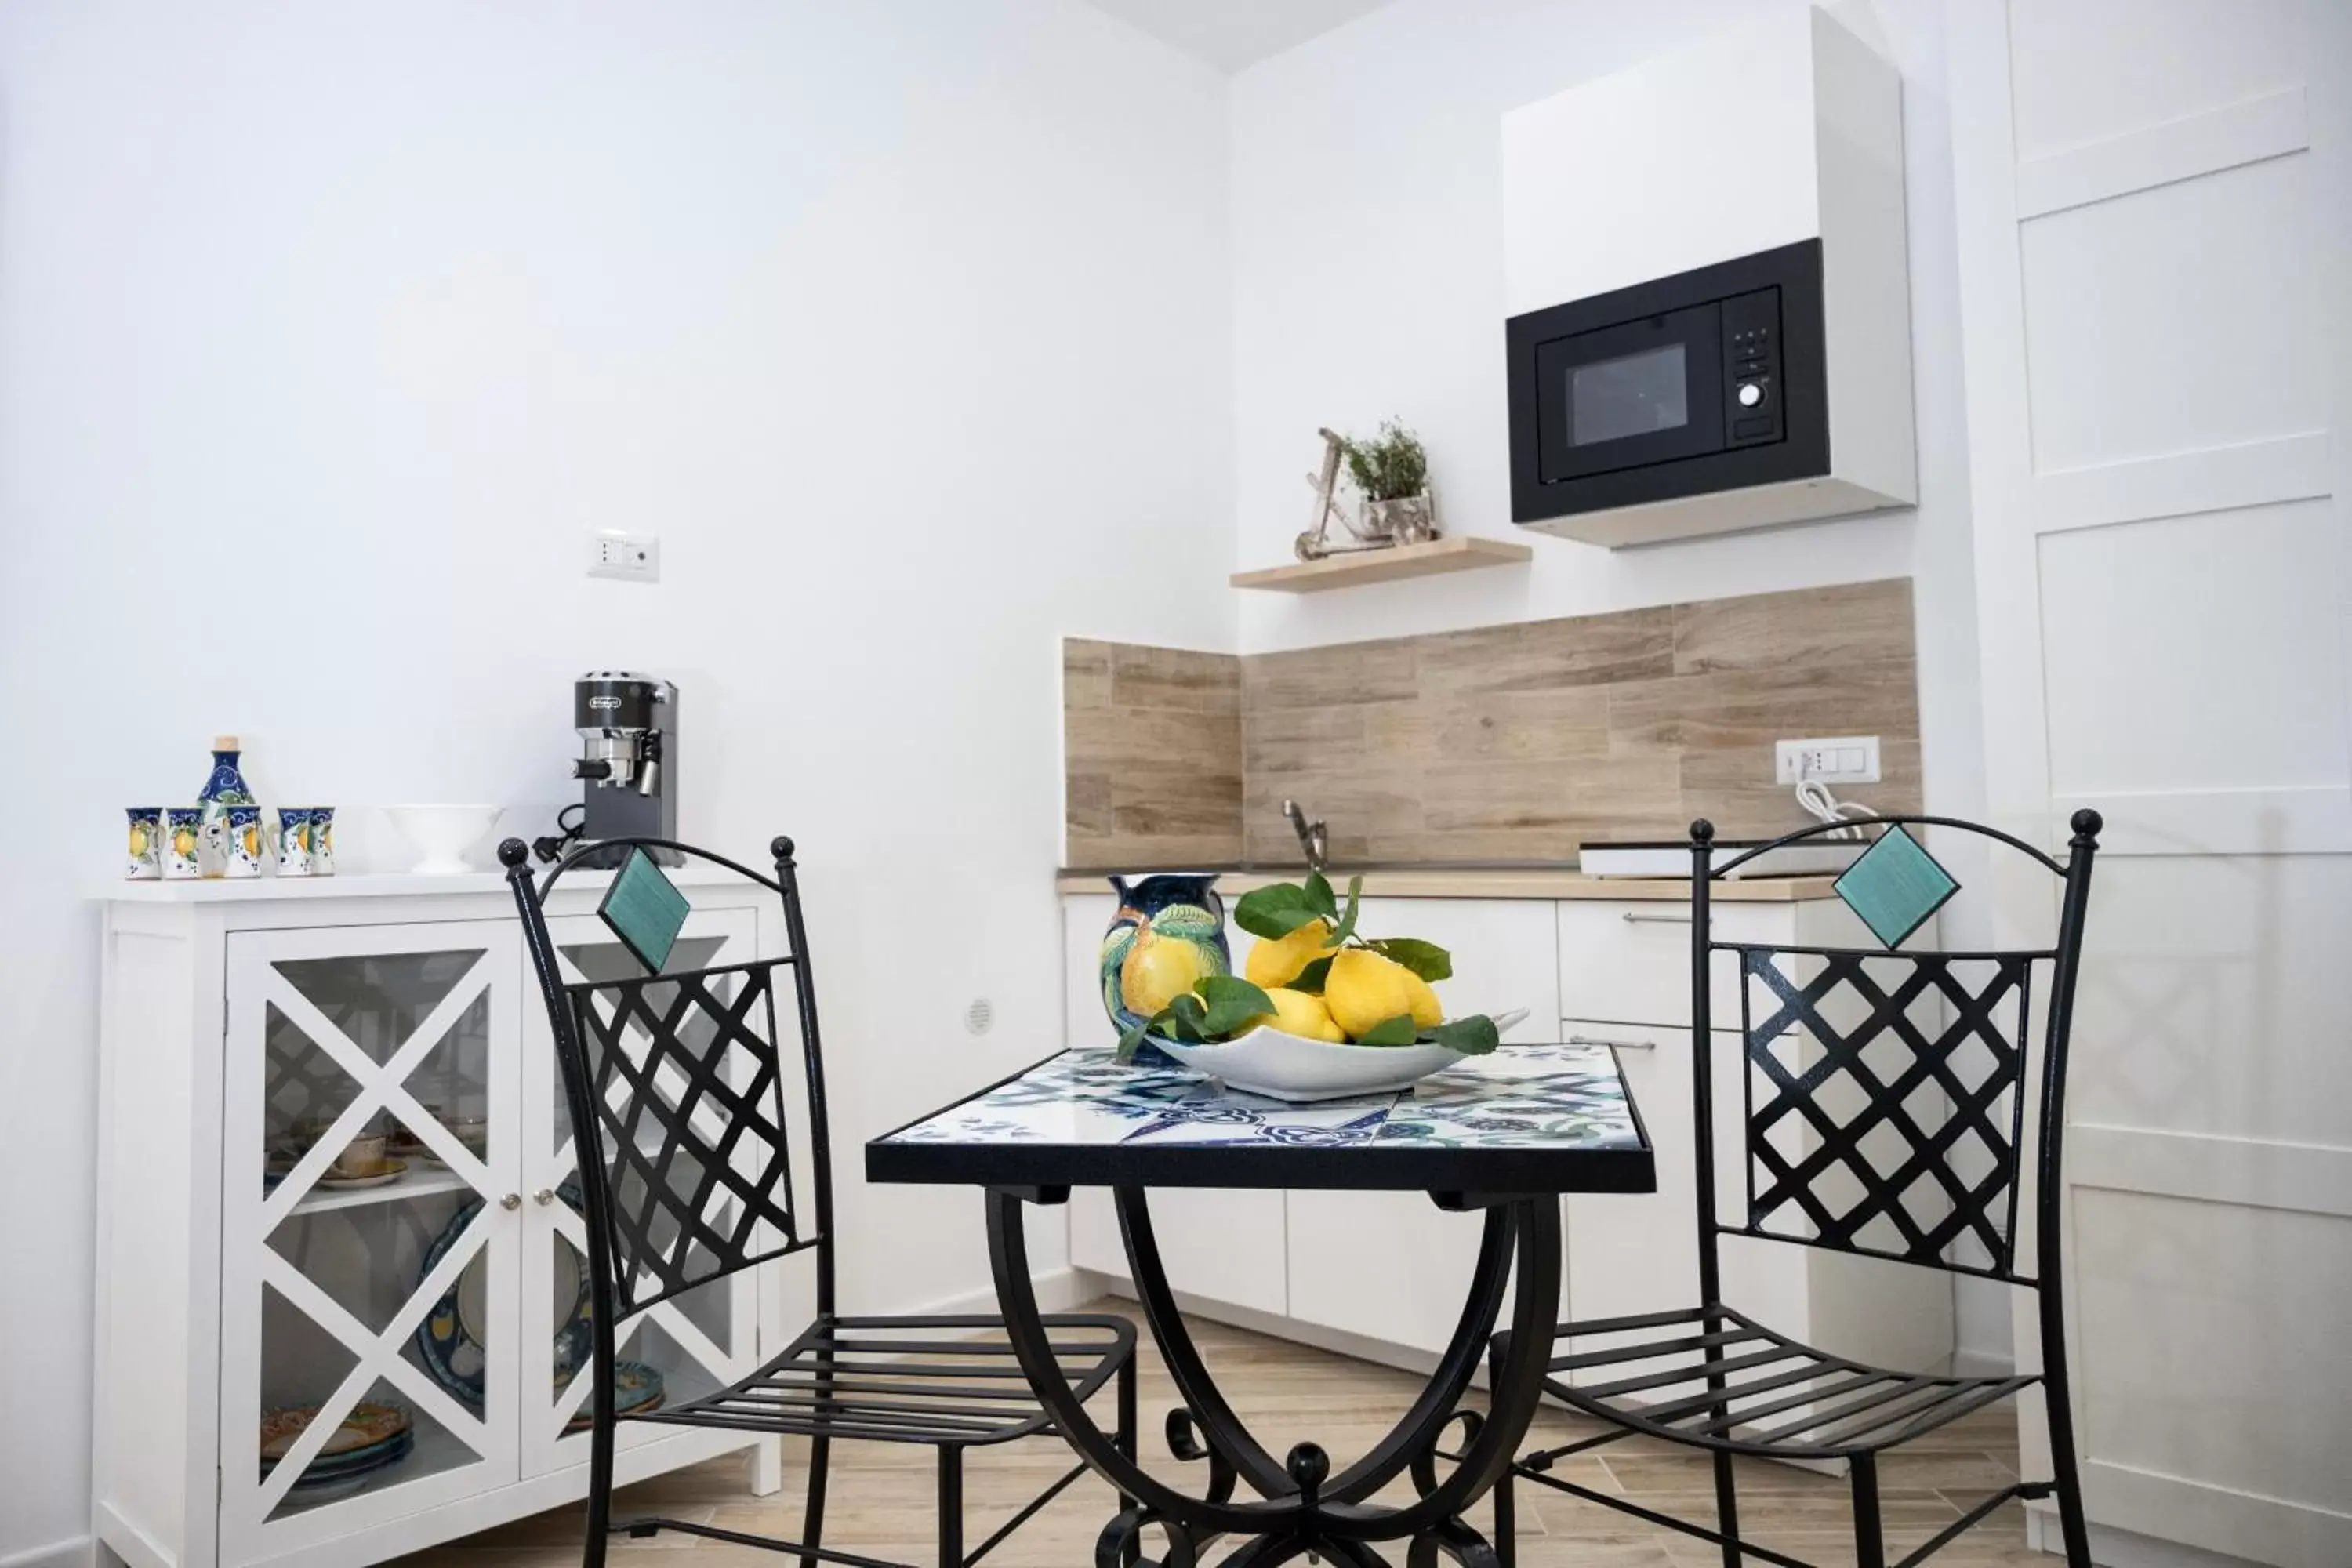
x: 1895, y: 885
x: 644, y: 910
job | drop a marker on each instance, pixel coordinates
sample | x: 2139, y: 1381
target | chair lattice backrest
x: 676, y: 1083
x: 1886, y: 1091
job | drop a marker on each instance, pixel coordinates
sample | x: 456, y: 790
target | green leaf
x: 1184, y: 1018
x: 1318, y: 896
x: 1347, y: 926
x: 1396, y: 1031
x: 1310, y: 979
x: 1131, y: 1038
x: 1274, y: 910
x: 1231, y: 1003
x: 1425, y: 958
x: 1472, y: 1036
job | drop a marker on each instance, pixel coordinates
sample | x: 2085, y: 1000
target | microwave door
x: 1624, y: 396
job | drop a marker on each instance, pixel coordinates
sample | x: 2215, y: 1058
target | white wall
x: 1369, y: 282
x: 327, y: 331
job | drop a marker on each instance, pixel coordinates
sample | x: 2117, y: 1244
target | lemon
x: 1364, y: 989
x: 1298, y: 1013
x: 1157, y: 971
x: 1277, y: 960
x: 1427, y: 1012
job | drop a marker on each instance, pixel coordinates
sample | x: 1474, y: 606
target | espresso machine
x: 628, y: 761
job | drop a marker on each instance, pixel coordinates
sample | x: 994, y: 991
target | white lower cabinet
x: 1391, y: 1266
x: 1217, y: 1244
x: 335, y: 1170
x: 1611, y: 971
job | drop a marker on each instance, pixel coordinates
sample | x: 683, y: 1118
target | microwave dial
x: 1751, y: 395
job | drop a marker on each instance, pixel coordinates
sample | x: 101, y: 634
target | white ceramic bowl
x: 442, y: 834
x: 1281, y: 1065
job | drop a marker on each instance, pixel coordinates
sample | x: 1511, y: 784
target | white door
x: 369, y: 1230
x: 2155, y: 216
x: 677, y: 1349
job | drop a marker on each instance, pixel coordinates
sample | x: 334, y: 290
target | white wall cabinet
x: 252, y: 1032
x: 1613, y: 971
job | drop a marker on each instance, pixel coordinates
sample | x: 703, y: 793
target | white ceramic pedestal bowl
x: 442, y: 834
x: 1280, y: 1066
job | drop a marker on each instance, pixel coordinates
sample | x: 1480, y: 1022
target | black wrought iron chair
x: 1864, y: 1133
x: 675, y: 1083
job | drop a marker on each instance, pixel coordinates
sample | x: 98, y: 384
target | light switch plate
x: 631, y: 557
x: 1835, y: 758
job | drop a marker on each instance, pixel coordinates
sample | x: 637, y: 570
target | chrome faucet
x: 1314, y: 837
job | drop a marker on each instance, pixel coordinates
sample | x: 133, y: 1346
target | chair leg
x: 1726, y: 1509
x: 950, y: 1506
x: 600, y: 1495
x: 813, y: 1519
x: 1869, y: 1536
x: 2073, y: 1523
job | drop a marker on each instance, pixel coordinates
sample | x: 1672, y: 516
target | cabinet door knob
x: 511, y: 1201
x: 545, y: 1196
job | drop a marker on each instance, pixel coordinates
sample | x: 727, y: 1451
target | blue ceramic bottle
x: 1170, y: 906
x: 226, y: 788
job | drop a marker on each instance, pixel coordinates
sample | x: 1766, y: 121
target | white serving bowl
x: 1282, y: 1066
x: 442, y: 834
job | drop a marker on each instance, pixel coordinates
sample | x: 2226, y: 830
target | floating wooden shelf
x: 1461, y: 553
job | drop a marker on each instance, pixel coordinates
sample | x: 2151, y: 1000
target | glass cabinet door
x: 689, y: 1345
x: 371, y: 1239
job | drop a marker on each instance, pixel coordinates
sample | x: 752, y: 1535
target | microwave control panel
x: 1751, y: 361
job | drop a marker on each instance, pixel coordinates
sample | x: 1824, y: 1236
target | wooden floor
x: 881, y: 1497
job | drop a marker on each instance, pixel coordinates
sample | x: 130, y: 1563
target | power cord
x: 1820, y: 803
x: 549, y: 849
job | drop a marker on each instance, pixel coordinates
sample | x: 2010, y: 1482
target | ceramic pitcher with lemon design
x: 1170, y: 932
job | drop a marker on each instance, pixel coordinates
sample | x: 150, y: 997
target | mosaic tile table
x: 1503, y: 1134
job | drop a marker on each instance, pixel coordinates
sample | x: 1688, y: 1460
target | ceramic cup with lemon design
x: 322, y: 841
x: 184, y: 833
x: 293, y: 841
x: 241, y: 832
x: 144, y: 854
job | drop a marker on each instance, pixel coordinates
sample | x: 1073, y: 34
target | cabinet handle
x: 545, y: 1196
x: 511, y: 1201
x: 1621, y: 1045
x: 1636, y: 918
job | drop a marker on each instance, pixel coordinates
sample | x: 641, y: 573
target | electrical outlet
x: 1839, y: 759
x: 631, y: 557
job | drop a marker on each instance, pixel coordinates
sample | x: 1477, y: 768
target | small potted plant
x: 1393, y: 471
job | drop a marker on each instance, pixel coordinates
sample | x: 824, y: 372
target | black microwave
x: 1709, y: 379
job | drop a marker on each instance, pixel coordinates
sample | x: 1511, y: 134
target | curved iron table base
x: 1301, y: 1507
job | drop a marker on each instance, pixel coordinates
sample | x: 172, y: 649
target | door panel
x: 369, y: 1258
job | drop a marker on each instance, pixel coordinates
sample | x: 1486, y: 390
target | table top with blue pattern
x: 1523, y: 1118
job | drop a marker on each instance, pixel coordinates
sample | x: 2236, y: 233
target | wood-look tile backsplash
x: 1511, y: 743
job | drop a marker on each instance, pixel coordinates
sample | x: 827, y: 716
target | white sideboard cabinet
x: 1602, y: 966
x: 251, y: 1032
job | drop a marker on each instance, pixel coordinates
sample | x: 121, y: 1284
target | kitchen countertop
x: 1488, y: 882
